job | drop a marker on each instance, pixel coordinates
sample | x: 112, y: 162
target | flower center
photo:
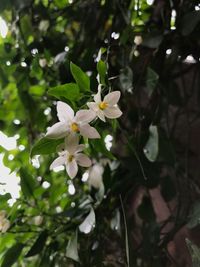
x: 70, y: 158
x: 103, y: 105
x: 74, y: 127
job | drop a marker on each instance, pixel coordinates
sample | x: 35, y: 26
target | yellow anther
x: 70, y: 158
x: 74, y: 127
x: 103, y: 105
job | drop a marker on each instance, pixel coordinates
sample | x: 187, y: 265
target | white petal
x: 97, y: 97
x: 72, y: 168
x: 112, y: 98
x: 57, y: 162
x: 112, y: 112
x: 89, y: 132
x: 80, y: 148
x: 71, y: 142
x: 58, y: 130
x: 83, y: 160
x: 93, y: 106
x: 101, y: 116
x: 96, y: 175
x: 85, y: 116
x: 64, y: 112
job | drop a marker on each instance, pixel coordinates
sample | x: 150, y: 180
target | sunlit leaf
x: 80, y: 77
x: 69, y: 91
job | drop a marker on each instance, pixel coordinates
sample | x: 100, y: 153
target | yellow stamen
x: 70, y: 158
x: 74, y: 127
x: 103, y: 105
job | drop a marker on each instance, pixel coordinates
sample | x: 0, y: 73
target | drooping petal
x: 58, y: 130
x: 83, y: 160
x: 93, y: 106
x: 57, y: 162
x: 112, y: 98
x: 97, y: 97
x: 80, y: 148
x: 64, y: 112
x: 71, y: 142
x: 85, y: 116
x: 89, y: 132
x: 112, y: 112
x: 100, y: 114
x: 72, y: 168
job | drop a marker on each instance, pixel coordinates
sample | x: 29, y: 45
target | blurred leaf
x: 88, y: 224
x: 45, y: 146
x: 27, y: 183
x: 189, y: 22
x: 194, y: 216
x: 126, y: 79
x: 102, y: 69
x: 151, y: 147
x: 39, y: 245
x: 152, y: 41
x: 72, y: 248
x: 194, y: 252
x: 80, y: 77
x: 69, y: 91
x: 151, y: 81
x: 12, y: 255
x: 37, y: 90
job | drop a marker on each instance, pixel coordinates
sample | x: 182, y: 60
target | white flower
x: 70, y: 123
x: 71, y: 156
x: 138, y: 39
x: 106, y: 108
x: 95, y: 175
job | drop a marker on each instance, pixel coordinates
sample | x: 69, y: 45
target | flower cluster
x: 4, y: 223
x: 71, y: 126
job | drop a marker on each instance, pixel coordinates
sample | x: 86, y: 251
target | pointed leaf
x: 69, y: 91
x: 87, y: 225
x: 72, y: 248
x: 12, y: 255
x: 45, y: 146
x: 27, y: 183
x: 80, y: 77
x: 38, y: 245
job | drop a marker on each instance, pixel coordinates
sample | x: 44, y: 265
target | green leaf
x: 12, y: 255
x: 80, y: 77
x: 189, y: 22
x: 102, y: 69
x: 194, y: 216
x: 37, y: 90
x: 151, y: 81
x: 72, y: 248
x: 151, y: 147
x: 38, y: 245
x: 27, y: 183
x: 69, y: 91
x: 45, y: 146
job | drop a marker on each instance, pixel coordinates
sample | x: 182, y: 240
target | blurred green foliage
x: 54, y: 50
